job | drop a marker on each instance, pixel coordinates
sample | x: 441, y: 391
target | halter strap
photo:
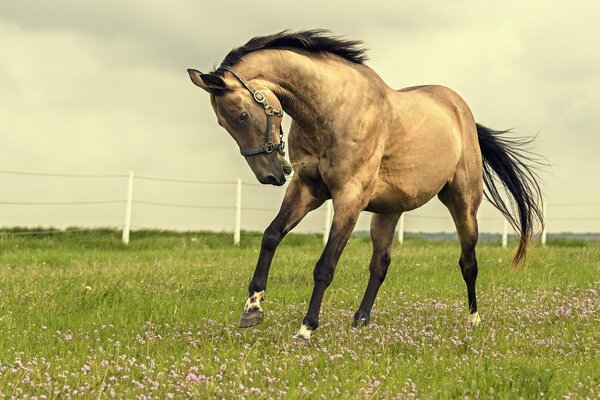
x: 260, y: 98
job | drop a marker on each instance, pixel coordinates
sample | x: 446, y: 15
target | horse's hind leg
x: 463, y: 202
x: 383, y: 228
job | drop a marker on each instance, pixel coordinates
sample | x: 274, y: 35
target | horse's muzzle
x: 272, y: 180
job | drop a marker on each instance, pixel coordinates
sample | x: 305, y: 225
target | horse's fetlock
x: 310, y: 323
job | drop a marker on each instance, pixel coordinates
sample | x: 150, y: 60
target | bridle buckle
x: 259, y: 97
x: 269, y: 147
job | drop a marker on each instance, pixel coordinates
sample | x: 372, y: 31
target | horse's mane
x: 316, y: 40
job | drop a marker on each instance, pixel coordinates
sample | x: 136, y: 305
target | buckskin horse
x: 366, y: 146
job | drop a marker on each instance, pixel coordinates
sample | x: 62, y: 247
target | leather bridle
x: 260, y: 98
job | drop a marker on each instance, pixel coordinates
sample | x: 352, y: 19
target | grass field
x: 83, y: 316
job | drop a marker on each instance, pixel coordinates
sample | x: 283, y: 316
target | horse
x: 366, y: 146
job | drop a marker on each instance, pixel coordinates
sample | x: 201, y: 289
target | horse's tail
x: 506, y: 161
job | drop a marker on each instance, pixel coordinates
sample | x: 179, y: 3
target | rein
x: 260, y: 98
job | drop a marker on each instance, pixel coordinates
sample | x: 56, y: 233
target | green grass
x: 83, y: 316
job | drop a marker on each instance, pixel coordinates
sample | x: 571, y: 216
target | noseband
x: 260, y: 98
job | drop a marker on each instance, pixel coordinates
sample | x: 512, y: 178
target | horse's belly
x: 391, y: 199
x: 404, y: 186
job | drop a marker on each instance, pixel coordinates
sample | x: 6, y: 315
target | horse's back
x: 444, y: 97
x: 411, y: 88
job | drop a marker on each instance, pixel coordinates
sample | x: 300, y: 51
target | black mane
x: 317, y: 40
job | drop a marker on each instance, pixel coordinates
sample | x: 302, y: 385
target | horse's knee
x: 468, y: 267
x: 323, y: 273
x: 271, y: 238
x: 379, y: 265
x: 385, y: 259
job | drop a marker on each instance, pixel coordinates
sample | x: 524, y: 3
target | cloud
x: 101, y: 86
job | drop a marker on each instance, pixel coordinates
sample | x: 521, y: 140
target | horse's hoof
x: 249, y: 319
x: 474, y: 319
x: 300, y: 340
x: 303, y: 335
x: 361, y: 319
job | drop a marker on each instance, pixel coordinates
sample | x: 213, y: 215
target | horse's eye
x: 244, y: 117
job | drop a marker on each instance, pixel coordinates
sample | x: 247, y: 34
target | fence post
x: 545, y: 230
x: 128, y: 206
x: 505, y: 235
x: 238, y: 212
x: 328, y: 209
x: 401, y: 230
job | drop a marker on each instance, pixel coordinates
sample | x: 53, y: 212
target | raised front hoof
x: 361, y: 319
x: 249, y: 319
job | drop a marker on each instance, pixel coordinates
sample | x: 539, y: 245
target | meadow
x: 83, y: 316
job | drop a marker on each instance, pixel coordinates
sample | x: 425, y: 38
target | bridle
x: 260, y: 98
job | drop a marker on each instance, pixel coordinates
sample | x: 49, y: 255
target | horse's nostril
x: 271, y: 180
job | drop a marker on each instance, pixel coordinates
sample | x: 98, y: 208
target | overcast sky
x: 100, y: 87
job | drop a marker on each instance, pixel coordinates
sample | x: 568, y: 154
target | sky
x: 100, y: 87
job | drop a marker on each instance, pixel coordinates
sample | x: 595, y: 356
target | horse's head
x: 253, y: 118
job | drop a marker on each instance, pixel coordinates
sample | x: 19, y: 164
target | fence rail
x: 237, y: 208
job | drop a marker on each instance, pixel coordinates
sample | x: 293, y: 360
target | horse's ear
x: 209, y: 82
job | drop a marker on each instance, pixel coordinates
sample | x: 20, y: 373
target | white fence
x: 234, y: 204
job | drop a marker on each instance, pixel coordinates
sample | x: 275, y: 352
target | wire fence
x: 236, y: 200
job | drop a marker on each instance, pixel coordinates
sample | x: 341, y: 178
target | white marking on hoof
x: 254, y: 301
x: 474, y: 318
x: 303, y: 333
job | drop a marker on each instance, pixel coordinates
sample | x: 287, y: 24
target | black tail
x: 506, y: 161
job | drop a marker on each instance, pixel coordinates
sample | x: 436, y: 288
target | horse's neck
x: 308, y: 88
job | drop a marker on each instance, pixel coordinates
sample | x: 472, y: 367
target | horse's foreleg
x: 344, y: 219
x: 298, y: 201
x: 383, y: 228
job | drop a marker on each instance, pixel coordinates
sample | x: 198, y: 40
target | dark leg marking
x: 464, y: 214
x: 341, y: 229
x: 382, y: 234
